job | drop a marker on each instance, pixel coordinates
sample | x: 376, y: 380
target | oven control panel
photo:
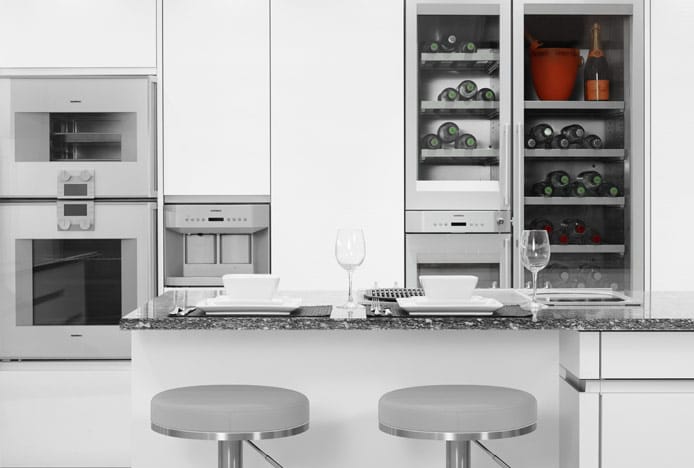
x: 75, y: 215
x: 76, y: 184
x: 457, y: 221
x: 238, y: 218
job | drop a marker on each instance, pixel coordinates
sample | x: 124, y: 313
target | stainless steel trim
x: 456, y: 436
x: 458, y: 454
x: 230, y: 454
x: 494, y: 457
x: 215, y: 199
x: 200, y: 435
x: 265, y: 456
x: 505, y: 163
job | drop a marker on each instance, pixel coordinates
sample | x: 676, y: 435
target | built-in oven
x: 458, y: 243
x: 69, y: 269
x: 51, y: 127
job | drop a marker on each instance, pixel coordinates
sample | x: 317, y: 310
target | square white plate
x: 477, y: 305
x: 222, y: 305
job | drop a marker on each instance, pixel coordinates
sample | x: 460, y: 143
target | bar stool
x: 458, y: 414
x: 230, y: 414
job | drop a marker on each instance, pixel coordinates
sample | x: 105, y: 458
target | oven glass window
x: 76, y: 281
x: 489, y: 274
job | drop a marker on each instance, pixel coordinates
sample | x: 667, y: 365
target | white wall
x: 672, y: 152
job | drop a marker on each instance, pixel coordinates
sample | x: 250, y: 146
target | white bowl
x: 250, y: 287
x: 442, y: 287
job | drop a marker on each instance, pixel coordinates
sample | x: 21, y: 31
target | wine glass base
x: 349, y: 310
x: 533, y: 306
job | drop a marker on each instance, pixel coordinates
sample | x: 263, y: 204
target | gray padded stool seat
x: 458, y: 414
x: 230, y: 414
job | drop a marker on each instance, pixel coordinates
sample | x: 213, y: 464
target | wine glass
x: 535, y: 252
x: 350, y: 251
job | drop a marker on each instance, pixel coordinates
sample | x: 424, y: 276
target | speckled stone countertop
x: 660, y: 312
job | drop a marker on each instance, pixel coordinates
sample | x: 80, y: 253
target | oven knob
x: 65, y: 176
x: 85, y: 224
x: 64, y: 224
x: 85, y: 175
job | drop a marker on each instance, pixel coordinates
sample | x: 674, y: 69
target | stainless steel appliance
x: 458, y: 243
x: 70, y: 270
x: 500, y: 172
x: 54, y: 125
x: 203, y: 242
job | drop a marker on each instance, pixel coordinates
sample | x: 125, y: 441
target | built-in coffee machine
x: 204, y: 242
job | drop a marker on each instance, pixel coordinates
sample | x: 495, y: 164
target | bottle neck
x: 595, y: 50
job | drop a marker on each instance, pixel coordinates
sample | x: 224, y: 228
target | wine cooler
x: 561, y: 143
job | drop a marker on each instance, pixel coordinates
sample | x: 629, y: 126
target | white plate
x: 421, y: 305
x: 222, y: 305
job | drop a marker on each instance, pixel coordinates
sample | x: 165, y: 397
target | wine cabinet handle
x: 506, y: 165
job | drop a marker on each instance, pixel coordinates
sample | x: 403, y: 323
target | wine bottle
x: 608, y: 189
x: 576, y: 230
x: 542, y: 224
x: 530, y: 142
x: 448, y: 132
x: 592, y: 142
x: 431, y: 47
x: 563, y: 275
x: 467, y: 47
x: 591, y: 274
x: 543, y: 188
x: 431, y: 141
x: 449, y: 42
x: 596, y: 72
x: 591, y: 179
x: 574, y: 133
x: 558, y: 179
x: 542, y: 133
x: 559, y: 141
x: 563, y: 236
x: 466, y: 141
x: 467, y: 90
x: 485, y: 94
x: 594, y: 236
x: 577, y: 189
x: 449, y: 94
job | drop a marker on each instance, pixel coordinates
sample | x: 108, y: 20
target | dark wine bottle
x: 594, y: 236
x: 559, y: 141
x: 467, y: 47
x: 467, y: 90
x: 449, y: 94
x: 596, y: 72
x: 592, y: 142
x: 543, y: 188
x: 558, y: 179
x: 485, y: 94
x: 563, y: 236
x: 431, y: 141
x: 576, y: 230
x: 530, y: 142
x: 542, y: 224
x: 608, y: 189
x: 542, y: 133
x: 466, y: 141
x: 448, y: 132
x: 449, y: 42
x: 431, y: 47
x: 591, y: 179
x: 577, y: 189
x: 574, y: 133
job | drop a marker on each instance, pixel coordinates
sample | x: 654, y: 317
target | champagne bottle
x: 577, y: 189
x: 467, y: 47
x: 467, y: 90
x: 448, y: 132
x: 592, y: 142
x: 449, y: 42
x: 574, y: 133
x: 542, y: 133
x: 591, y: 179
x: 543, y: 188
x: 466, y: 141
x: 431, y: 141
x: 596, y: 72
x: 608, y: 189
x: 530, y: 142
x: 558, y: 179
x: 449, y: 94
x: 542, y: 224
x: 559, y: 141
x: 431, y: 47
x: 485, y: 94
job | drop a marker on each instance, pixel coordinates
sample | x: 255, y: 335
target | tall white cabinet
x: 216, y: 97
x: 337, y: 138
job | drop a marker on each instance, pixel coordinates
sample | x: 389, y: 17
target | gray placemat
x: 313, y: 311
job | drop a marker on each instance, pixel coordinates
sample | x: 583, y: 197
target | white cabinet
x: 56, y: 414
x: 337, y: 138
x: 78, y: 33
x: 216, y: 88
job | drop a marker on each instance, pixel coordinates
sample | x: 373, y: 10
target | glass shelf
x: 483, y: 156
x: 486, y: 109
x: 486, y: 60
x: 588, y: 249
x: 617, y: 154
x: 604, y: 201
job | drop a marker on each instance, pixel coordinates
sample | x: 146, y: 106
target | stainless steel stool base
x: 230, y: 453
x: 457, y: 454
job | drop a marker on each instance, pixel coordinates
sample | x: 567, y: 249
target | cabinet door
x: 643, y: 430
x: 337, y: 138
x: 78, y: 33
x: 216, y: 86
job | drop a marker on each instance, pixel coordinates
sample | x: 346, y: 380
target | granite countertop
x: 660, y: 312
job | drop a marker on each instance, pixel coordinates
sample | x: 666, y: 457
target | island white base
x: 344, y: 373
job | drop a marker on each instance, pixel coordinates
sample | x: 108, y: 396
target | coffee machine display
x: 204, y: 242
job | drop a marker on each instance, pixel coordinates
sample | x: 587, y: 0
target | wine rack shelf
x: 589, y: 249
x: 575, y: 105
x: 486, y: 109
x: 616, y: 154
x: 584, y: 201
x: 460, y: 156
x: 486, y: 60
x: 89, y: 137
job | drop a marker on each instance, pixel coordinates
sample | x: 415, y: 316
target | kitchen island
x: 565, y: 359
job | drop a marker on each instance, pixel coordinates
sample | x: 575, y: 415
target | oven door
x: 487, y: 256
x: 55, y: 129
x: 66, y: 284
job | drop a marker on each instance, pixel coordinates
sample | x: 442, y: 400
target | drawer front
x: 647, y: 355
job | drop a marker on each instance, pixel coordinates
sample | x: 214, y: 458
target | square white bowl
x: 244, y: 287
x: 448, y: 287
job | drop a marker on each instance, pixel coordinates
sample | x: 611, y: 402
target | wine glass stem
x: 534, y: 285
x: 350, y: 298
